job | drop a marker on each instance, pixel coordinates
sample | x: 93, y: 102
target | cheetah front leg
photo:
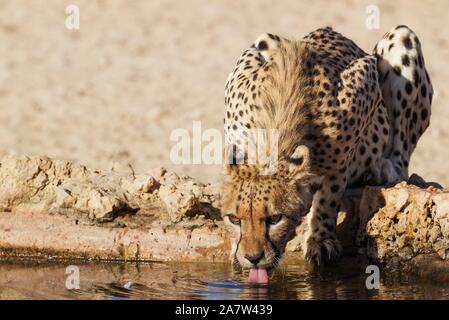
x: 321, y: 243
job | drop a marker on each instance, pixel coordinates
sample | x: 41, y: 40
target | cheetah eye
x: 233, y: 219
x: 274, y: 219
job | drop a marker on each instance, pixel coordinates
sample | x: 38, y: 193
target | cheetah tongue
x: 258, y: 276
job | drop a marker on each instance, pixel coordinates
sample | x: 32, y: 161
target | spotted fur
x: 344, y: 117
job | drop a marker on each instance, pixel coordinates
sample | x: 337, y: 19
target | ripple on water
x: 206, y: 281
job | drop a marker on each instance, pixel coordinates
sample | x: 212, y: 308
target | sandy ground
x: 136, y: 70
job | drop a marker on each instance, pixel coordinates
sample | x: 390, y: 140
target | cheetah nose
x: 255, y: 258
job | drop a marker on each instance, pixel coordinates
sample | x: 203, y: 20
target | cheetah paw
x: 322, y: 251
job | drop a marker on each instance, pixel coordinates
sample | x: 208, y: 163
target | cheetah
x: 343, y: 117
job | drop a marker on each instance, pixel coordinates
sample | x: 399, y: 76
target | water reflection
x: 346, y: 280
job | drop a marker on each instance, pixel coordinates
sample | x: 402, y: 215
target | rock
x: 412, y: 221
x: 98, y: 203
x: 441, y: 203
x: 19, y: 180
x: 59, y: 208
x: 143, y: 183
x: 179, y: 203
x: 157, y: 173
x: 39, y: 235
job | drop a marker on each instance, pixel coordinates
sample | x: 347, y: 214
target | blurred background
x: 114, y: 90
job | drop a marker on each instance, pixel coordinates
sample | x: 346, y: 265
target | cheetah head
x: 263, y: 211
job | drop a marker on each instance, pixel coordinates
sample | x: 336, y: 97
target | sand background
x: 114, y: 90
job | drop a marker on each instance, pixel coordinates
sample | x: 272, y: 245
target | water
x: 346, y: 280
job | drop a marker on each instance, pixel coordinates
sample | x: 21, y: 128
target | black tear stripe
x: 240, y: 233
x: 276, y: 251
x: 238, y: 243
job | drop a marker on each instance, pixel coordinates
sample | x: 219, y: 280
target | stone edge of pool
x: 55, y: 208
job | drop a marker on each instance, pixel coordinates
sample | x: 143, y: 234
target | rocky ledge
x: 54, y: 208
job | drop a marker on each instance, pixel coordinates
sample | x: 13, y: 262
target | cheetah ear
x: 267, y: 43
x: 298, y: 163
x: 299, y: 169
